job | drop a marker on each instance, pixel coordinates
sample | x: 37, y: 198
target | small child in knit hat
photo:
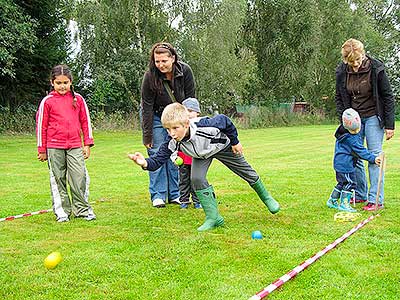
x: 348, y: 148
x: 351, y: 121
x: 185, y: 183
x: 192, y: 105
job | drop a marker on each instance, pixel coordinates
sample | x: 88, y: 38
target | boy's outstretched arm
x: 139, y: 159
x: 155, y: 161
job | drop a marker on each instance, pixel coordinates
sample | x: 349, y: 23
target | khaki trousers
x: 67, y: 166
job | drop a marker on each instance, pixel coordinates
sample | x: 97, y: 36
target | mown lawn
x: 133, y: 251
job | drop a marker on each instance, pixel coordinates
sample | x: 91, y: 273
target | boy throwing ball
x: 204, y: 139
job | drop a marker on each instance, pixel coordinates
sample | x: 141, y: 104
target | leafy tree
x: 284, y: 35
x: 335, y: 29
x: 210, y: 44
x: 385, y: 18
x: 33, y: 40
x: 116, y: 37
x: 16, y: 34
x: 297, y: 45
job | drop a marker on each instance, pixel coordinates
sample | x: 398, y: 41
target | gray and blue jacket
x: 208, y: 136
x: 348, y: 149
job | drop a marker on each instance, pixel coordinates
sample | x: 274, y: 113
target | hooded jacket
x: 208, y: 136
x: 153, y: 102
x: 348, y: 148
x: 381, y: 92
x: 60, y: 125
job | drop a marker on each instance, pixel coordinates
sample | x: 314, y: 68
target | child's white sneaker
x: 90, y: 217
x: 62, y: 219
x: 175, y: 201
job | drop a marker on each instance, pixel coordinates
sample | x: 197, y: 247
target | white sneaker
x: 158, y: 203
x: 90, y: 217
x: 175, y: 201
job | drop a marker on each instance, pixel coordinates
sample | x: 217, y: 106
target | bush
x: 261, y: 117
x: 115, y: 121
x: 20, y: 120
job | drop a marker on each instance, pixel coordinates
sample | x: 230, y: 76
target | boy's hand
x: 86, y: 152
x: 42, y: 156
x: 237, y: 149
x: 138, y: 158
x: 378, y: 160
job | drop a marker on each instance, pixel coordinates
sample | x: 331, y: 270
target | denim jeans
x: 373, y: 134
x: 164, y: 182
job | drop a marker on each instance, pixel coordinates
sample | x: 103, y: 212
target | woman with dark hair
x: 167, y: 80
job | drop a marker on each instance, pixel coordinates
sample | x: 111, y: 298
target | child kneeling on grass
x: 204, y: 139
x: 348, y: 148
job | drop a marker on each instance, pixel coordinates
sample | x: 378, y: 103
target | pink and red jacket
x: 60, y: 125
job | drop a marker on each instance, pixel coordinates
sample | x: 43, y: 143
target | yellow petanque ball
x: 52, y: 260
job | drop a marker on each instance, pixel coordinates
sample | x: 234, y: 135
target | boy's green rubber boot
x: 345, y: 198
x: 265, y: 196
x: 333, y: 201
x: 209, y: 204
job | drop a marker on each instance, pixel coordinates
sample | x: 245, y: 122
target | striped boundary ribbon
x: 40, y: 212
x: 291, y: 274
x: 10, y: 218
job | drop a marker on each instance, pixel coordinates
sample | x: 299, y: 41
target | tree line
x: 254, y: 52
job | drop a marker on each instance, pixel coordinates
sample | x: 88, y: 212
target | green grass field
x: 133, y: 251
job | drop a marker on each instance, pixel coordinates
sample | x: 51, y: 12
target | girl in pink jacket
x: 62, y: 121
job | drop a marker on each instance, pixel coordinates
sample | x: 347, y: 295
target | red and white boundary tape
x: 10, y: 218
x: 291, y: 274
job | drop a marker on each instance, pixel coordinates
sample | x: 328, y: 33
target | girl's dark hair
x: 156, y: 76
x: 63, y: 70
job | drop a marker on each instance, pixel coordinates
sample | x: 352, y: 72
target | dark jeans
x: 185, y: 185
x: 346, y: 181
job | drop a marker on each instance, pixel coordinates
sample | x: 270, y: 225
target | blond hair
x: 174, y: 114
x: 352, y: 50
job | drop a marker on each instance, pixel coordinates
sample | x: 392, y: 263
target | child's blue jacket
x: 208, y: 136
x: 349, y: 148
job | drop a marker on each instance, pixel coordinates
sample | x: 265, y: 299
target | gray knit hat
x: 192, y: 104
x: 351, y: 119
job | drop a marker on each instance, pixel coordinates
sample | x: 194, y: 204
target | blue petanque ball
x: 256, y: 235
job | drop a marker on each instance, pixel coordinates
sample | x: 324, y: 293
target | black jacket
x: 381, y: 89
x: 153, y: 102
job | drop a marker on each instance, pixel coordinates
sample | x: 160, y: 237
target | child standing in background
x: 61, y: 121
x: 348, y: 149
x: 185, y: 183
